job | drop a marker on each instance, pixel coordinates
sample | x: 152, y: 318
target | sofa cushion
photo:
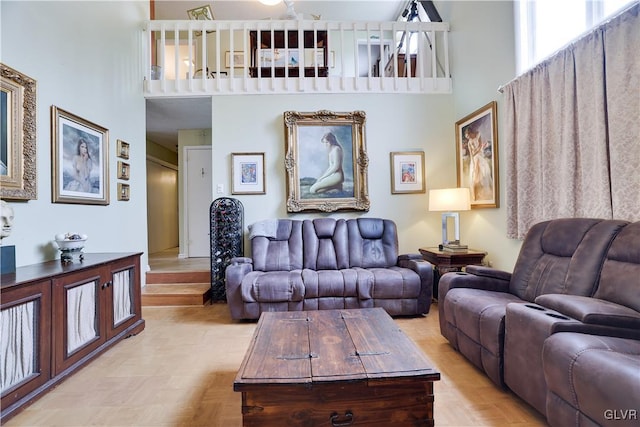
x: 273, y: 286
x: 620, y: 279
x: 563, y: 256
x: 280, y: 248
x: 591, y: 374
x: 373, y: 242
x: 325, y: 244
x: 387, y: 283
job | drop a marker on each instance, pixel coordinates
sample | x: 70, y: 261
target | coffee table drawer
x: 407, y: 402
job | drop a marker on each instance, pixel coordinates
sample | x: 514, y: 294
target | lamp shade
x: 270, y: 2
x: 449, y: 200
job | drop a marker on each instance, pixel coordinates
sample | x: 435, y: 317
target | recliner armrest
x: 425, y: 271
x: 240, y: 260
x: 591, y: 311
x: 481, y: 270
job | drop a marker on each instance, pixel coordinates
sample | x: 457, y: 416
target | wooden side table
x: 445, y: 261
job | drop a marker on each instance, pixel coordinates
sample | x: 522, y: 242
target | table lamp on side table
x: 450, y: 201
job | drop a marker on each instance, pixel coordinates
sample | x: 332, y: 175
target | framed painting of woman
x: 80, y: 155
x: 477, y: 156
x: 326, y: 161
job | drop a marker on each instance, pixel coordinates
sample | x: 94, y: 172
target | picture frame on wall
x: 326, y: 161
x: 123, y: 192
x: 407, y: 172
x: 477, y: 156
x: 122, y: 149
x: 80, y: 159
x: 238, y: 59
x: 18, y: 173
x: 123, y: 170
x: 247, y: 173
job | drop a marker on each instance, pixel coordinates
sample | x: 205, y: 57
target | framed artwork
x: 123, y: 170
x: 407, y: 172
x: 247, y: 173
x: 17, y: 135
x: 80, y: 159
x: 123, y: 191
x: 326, y: 161
x: 238, y: 59
x: 477, y: 156
x: 122, y: 149
x: 277, y: 57
x: 202, y: 13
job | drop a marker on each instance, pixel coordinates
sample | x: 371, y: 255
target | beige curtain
x: 18, y: 344
x: 573, y: 130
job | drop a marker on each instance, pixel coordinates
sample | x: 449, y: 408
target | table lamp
x: 450, y: 201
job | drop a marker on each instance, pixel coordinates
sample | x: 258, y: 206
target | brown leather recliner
x: 562, y: 256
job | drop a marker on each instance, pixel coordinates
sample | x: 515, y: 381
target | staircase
x: 165, y: 288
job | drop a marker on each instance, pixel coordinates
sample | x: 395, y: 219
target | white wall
x: 482, y: 59
x: 86, y: 59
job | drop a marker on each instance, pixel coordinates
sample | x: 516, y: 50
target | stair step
x: 178, y: 276
x: 163, y: 294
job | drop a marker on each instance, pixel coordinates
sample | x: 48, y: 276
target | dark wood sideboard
x: 60, y: 316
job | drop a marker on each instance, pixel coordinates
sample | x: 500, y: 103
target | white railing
x: 223, y: 57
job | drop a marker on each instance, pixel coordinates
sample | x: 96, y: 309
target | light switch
x: 220, y: 189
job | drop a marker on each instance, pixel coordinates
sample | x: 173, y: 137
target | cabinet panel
x: 25, y: 342
x: 123, y: 301
x: 78, y: 301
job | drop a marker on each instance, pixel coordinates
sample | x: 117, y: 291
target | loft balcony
x: 195, y: 58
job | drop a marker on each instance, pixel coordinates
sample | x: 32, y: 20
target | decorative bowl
x: 71, y: 241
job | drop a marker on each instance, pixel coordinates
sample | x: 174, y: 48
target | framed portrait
x: 123, y: 170
x: 80, y: 159
x: 238, y: 59
x: 17, y: 135
x: 123, y: 192
x: 122, y: 149
x: 326, y: 161
x: 247, y: 173
x: 407, y: 172
x: 477, y: 156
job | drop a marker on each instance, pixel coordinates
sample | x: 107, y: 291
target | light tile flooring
x: 179, y: 372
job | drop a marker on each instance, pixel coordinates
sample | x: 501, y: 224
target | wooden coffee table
x: 334, y: 368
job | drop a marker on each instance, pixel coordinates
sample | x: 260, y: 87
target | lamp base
x: 454, y: 247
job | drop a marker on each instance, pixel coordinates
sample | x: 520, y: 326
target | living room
x: 85, y: 57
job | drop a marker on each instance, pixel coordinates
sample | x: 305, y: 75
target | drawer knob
x: 337, y: 421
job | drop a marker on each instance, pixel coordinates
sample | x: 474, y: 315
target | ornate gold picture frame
x: 326, y: 161
x: 18, y: 171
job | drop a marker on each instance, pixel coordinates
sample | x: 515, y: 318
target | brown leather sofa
x: 327, y: 263
x: 572, y: 275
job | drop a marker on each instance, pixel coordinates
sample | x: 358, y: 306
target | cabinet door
x: 123, y: 305
x: 78, y: 310
x: 25, y: 342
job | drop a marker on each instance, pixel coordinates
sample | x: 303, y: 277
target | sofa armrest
x: 234, y: 273
x: 425, y: 271
x: 591, y: 311
x: 488, y: 280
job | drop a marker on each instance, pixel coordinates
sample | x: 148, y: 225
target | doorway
x: 162, y: 205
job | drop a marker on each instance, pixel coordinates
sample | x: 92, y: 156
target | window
x: 544, y: 26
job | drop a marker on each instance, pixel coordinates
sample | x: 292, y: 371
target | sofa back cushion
x: 620, y: 278
x: 373, y: 242
x: 563, y: 256
x: 276, y: 245
x: 325, y: 244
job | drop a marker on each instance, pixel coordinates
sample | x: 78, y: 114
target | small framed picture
x: 123, y: 170
x: 407, y: 172
x: 123, y: 191
x: 122, y: 149
x: 238, y: 59
x: 201, y: 13
x: 247, y: 173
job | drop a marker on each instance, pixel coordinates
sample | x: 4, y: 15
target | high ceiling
x: 165, y: 116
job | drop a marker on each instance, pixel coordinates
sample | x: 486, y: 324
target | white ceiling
x: 166, y: 115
